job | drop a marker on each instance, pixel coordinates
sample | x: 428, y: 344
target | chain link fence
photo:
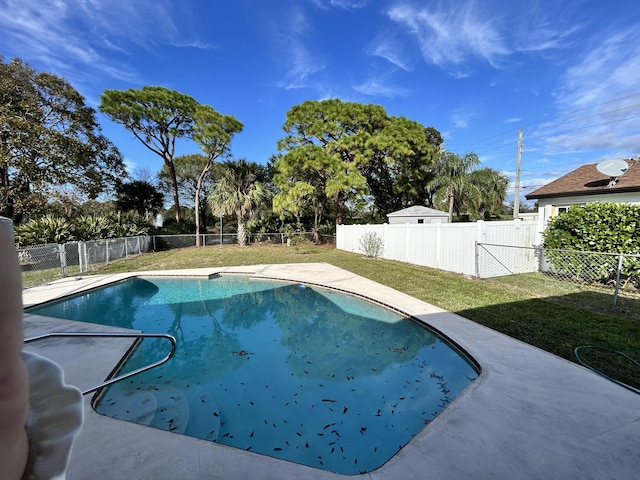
x: 167, y: 242
x: 44, y: 263
x: 614, y: 274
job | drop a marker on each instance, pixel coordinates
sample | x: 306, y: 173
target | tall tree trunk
x: 451, y: 198
x: 6, y: 200
x: 242, y: 233
x: 340, y: 208
x: 174, y: 185
x: 197, y: 206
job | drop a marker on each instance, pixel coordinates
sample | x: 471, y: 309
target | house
x: 418, y: 214
x: 587, y: 184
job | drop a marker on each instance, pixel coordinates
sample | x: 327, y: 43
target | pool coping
x: 530, y: 414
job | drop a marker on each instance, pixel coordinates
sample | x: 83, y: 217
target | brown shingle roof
x: 587, y: 180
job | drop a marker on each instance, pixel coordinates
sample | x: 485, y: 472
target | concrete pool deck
x: 530, y: 414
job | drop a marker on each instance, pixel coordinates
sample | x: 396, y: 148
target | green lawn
x: 535, y: 309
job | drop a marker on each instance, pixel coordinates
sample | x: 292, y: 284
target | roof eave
x: 534, y: 196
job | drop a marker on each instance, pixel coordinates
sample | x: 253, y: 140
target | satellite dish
x: 612, y: 168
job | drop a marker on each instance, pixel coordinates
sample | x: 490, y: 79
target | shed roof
x: 587, y: 180
x: 418, y: 211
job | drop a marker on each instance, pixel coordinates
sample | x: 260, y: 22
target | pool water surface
x: 296, y: 372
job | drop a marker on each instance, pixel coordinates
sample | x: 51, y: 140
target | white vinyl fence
x: 445, y: 246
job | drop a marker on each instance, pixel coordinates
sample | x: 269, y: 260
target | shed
x: 418, y: 214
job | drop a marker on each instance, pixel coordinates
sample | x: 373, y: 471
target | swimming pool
x: 300, y: 373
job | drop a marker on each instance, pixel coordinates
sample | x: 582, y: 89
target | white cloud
x: 450, y: 36
x: 388, y: 47
x: 78, y: 38
x: 346, y: 4
x: 460, y: 117
x: 609, y: 69
x: 195, y: 44
x: 456, y: 36
x: 598, y: 99
x: 377, y: 88
x: 289, y: 38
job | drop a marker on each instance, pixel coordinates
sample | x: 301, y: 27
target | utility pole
x: 516, y: 199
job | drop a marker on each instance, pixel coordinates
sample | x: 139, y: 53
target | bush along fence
x: 618, y: 272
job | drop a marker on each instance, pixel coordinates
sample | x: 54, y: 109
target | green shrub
x: 47, y: 229
x: 90, y: 227
x: 595, y: 227
x: 53, y: 229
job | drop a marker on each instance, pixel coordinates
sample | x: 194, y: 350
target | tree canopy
x: 335, y: 152
x: 326, y: 141
x: 157, y: 117
x: 139, y: 196
x: 401, y: 162
x: 49, y: 138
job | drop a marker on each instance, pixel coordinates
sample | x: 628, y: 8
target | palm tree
x: 465, y: 188
x: 493, y: 191
x: 240, y: 191
x: 452, y: 179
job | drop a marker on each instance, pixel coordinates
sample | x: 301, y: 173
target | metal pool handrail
x: 171, y: 338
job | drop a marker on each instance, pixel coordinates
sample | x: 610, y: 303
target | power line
x: 584, y: 127
x: 571, y: 112
x: 591, y: 116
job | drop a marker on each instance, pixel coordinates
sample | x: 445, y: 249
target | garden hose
x: 582, y: 362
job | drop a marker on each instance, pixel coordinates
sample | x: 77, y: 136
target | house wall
x: 446, y: 246
x: 551, y: 207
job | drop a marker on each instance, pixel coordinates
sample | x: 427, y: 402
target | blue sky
x: 566, y: 72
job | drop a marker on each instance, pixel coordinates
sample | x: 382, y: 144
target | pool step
x: 138, y: 407
x: 189, y: 409
x: 204, y: 418
x: 172, y: 409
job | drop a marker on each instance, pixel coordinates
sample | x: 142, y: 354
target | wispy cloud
x: 544, y: 26
x: 346, y: 4
x: 449, y: 36
x: 460, y: 117
x: 391, y: 49
x: 377, y: 87
x: 197, y: 44
x: 289, y: 38
x: 598, y: 99
x: 457, y: 36
x: 76, y: 37
x: 302, y: 65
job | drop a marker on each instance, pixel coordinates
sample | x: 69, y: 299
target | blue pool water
x: 300, y: 373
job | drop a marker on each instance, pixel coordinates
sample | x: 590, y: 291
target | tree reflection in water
x: 295, y: 372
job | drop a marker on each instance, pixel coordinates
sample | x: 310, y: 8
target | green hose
x: 582, y: 362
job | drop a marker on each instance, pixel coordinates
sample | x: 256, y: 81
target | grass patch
x: 533, y: 308
x: 40, y: 277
